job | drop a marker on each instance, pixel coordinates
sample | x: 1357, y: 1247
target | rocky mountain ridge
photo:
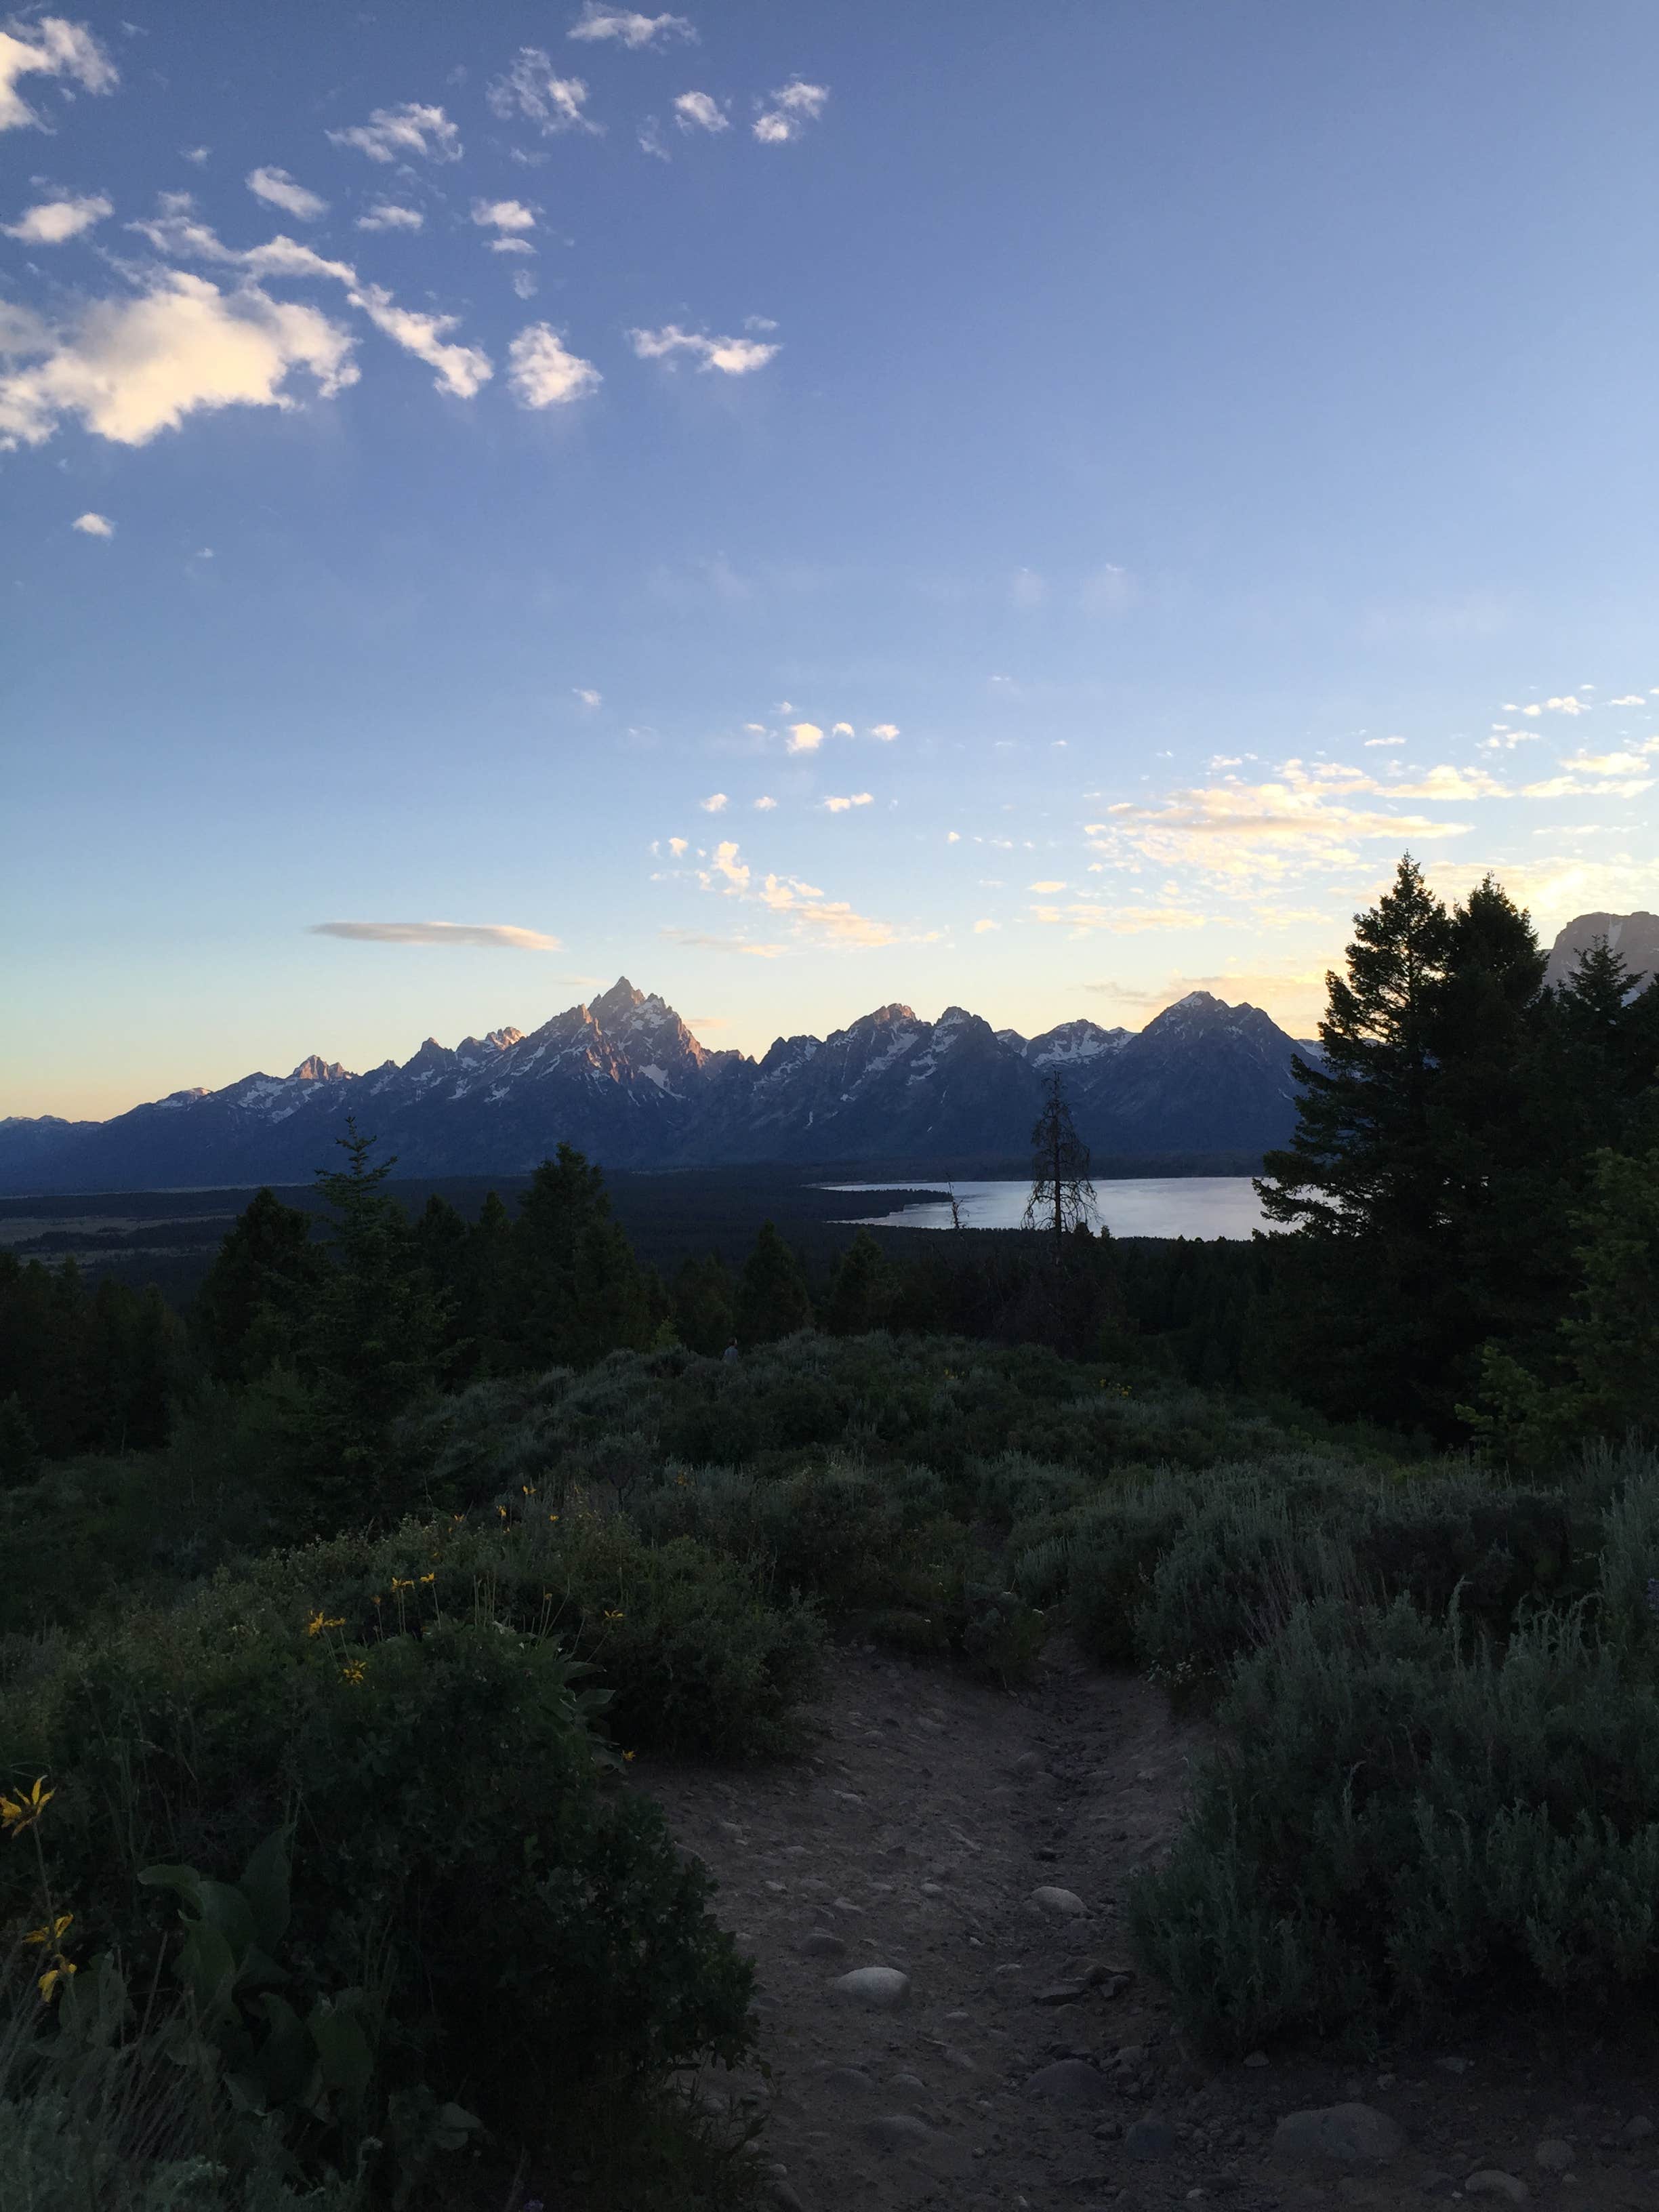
x: 624, y: 1079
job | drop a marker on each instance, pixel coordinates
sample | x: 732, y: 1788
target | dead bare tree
x: 1062, y: 1195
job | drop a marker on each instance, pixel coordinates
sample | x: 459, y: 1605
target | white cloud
x: 510, y: 245
x: 278, y: 189
x: 1455, y: 784
x: 1046, y: 888
x: 629, y: 27
x: 885, y: 731
x: 588, y: 698
x: 714, y: 804
x: 544, y: 373
x: 54, y: 48
x: 1371, y: 742
x: 1569, y: 705
x: 393, y: 134
x: 197, y: 154
x: 1083, y: 918
x: 841, y: 730
x: 532, y: 90
x: 524, y: 285
x: 805, y: 737
x: 764, y: 805
x: 462, y: 370
x: 130, y: 368
x: 696, y: 940
x: 1630, y: 699
x: 93, y: 526
x: 732, y: 356
x: 700, y: 111
x: 503, y: 215
x: 980, y: 927
x: 953, y: 836
x: 841, y: 805
x: 386, y: 215
x: 53, y: 222
x: 794, y: 106
x: 497, y: 935
x: 650, y: 140
x: 1622, y: 774
x: 833, y: 921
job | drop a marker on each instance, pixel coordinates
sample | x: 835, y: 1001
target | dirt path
x: 914, y: 1839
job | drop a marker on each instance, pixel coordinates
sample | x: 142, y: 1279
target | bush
x: 538, y: 1949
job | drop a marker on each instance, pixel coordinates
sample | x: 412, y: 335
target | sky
x: 1027, y: 509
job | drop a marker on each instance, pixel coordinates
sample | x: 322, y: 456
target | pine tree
x: 1062, y: 1196
x: 246, y: 1310
x: 862, y: 1290
x: 576, y: 1290
x: 704, y: 1300
x: 773, y: 1300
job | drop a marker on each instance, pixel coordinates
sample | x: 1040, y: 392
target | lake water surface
x: 1147, y: 1205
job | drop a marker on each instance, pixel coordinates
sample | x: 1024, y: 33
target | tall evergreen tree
x: 772, y: 1299
x: 862, y: 1290
x: 704, y: 1301
x: 246, y: 1310
x: 576, y: 1290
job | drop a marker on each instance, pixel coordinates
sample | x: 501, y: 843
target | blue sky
x: 1033, y: 509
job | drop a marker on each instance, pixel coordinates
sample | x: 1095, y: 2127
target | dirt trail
x: 914, y: 1837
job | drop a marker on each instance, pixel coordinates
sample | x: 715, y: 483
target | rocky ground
x: 975, y: 1845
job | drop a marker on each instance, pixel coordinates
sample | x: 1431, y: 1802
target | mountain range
x: 624, y: 1079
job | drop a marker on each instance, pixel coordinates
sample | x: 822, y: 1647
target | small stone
x: 1337, y: 2135
x: 883, y: 1989
x: 1130, y: 2056
x: 1150, y: 2138
x: 933, y: 1889
x: 847, y: 1797
x: 1257, y: 2058
x: 1491, y: 2182
x: 1553, y: 2155
x: 1028, y: 1762
x: 848, y: 2081
x: 1453, y: 2065
x: 1062, y: 1993
x: 1064, y: 1903
x: 846, y: 1904
x: 907, y: 2081
x: 1635, y: 2131
x: 897, y: 2131
x: 1069, y: 2082
x: 783, y: 2196
x: 821, y: 1944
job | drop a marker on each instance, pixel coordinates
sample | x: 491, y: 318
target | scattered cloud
x: 130, y: 368
x: 980, y: 927
x: 841, y: 730
x: 831, y: 921
x: 805, y: 737
x: 1455, y: 784
x: 52, y: 48
x: 1630, y: 699
x: 387, y: 215
x: 462, y: 371
x: 953, y: 836
x: 510, y: 245
x: 588, y: 698
x: 506, y: 216
x: 54, y: 222
x: 1046, y: 888
x: 700, y: 111
x: 715, y: 803
x: 676, y: 846
x: 533, y: 91
x: 278, y: 189
x: 524, y: 285
x: 765, y: 804
x: 732, y: 356
x: 497, y: 935
x: 197, y: 154
x: 1622, y: 774
x: 885, y: 731
x: 694, y: 940
x: 650, y: 138
x: 629, y: 27
x: 792, y: 106
x: 543, y: 371
x: 1083, y: 918
x: 396, y: 134
x: 841, y: 805
x: 1569, y: 705
x: 93, y: 526
x: 1372, y: 743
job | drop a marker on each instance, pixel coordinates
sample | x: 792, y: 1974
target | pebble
x: 1257, y: 2058
x: 1635, y: 2131
x: 897, y: 2131
x: 850, y: 2081
x: 783, y: 2196
x: 1150, y: 2138
x: 1063, y: 1993
x: 1337, y: 2135
x: 1491, y: 2182
x: 1069, y: 2082
x: 1063, y: 1903
x: 884, y: 1989
x: 1453, y: 2065
x: 1553, y: 2155
x: 821, y: 1944
x: 1028, y: 1762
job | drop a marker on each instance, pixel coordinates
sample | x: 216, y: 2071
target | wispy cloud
x: 399, y: 134
x: 805, y: 737
x: 1085, y: 917
x: 51, y: 48
x: 1630, y: 699
x: 982, y: 927
x: 54, y: 222
x: 1622, y: 774
x: 700, y: 111
x: 812, y: 917
x: 130, y: 368
x: 765, y: 804
x: 788, y: 110
x: 732, y: 356
x: 843, y: 806
x: 885, y: 731
x: 93, y: 526
x: 497, y: 936
x: 533, y: 91
x: 1570, y: 704
x: 1371, y: 743
x: 697, y: 941
x: 387, y: 215
x: 588, y: 698
x: 716, y: 803
x: 629, y: 27
x: 462, y: 370
x: 277, y: 189
x: 544, y: 373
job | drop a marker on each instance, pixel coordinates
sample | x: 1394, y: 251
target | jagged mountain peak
x: 316, y: 1069
x: 615, y: 1004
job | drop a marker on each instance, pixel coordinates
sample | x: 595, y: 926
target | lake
x: 1146, y: 1206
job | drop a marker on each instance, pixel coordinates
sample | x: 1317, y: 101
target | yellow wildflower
x: 397, y: 1585
x: 352, y: 1671
x: 52, y: 1933
x: 628, y: 1756
x: 428, y: 1578
x: 53, y: 1975
x: 528, y: 1488
x: 319, y: 1620
x: 616, y: 1616
x: 23, y: 1811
